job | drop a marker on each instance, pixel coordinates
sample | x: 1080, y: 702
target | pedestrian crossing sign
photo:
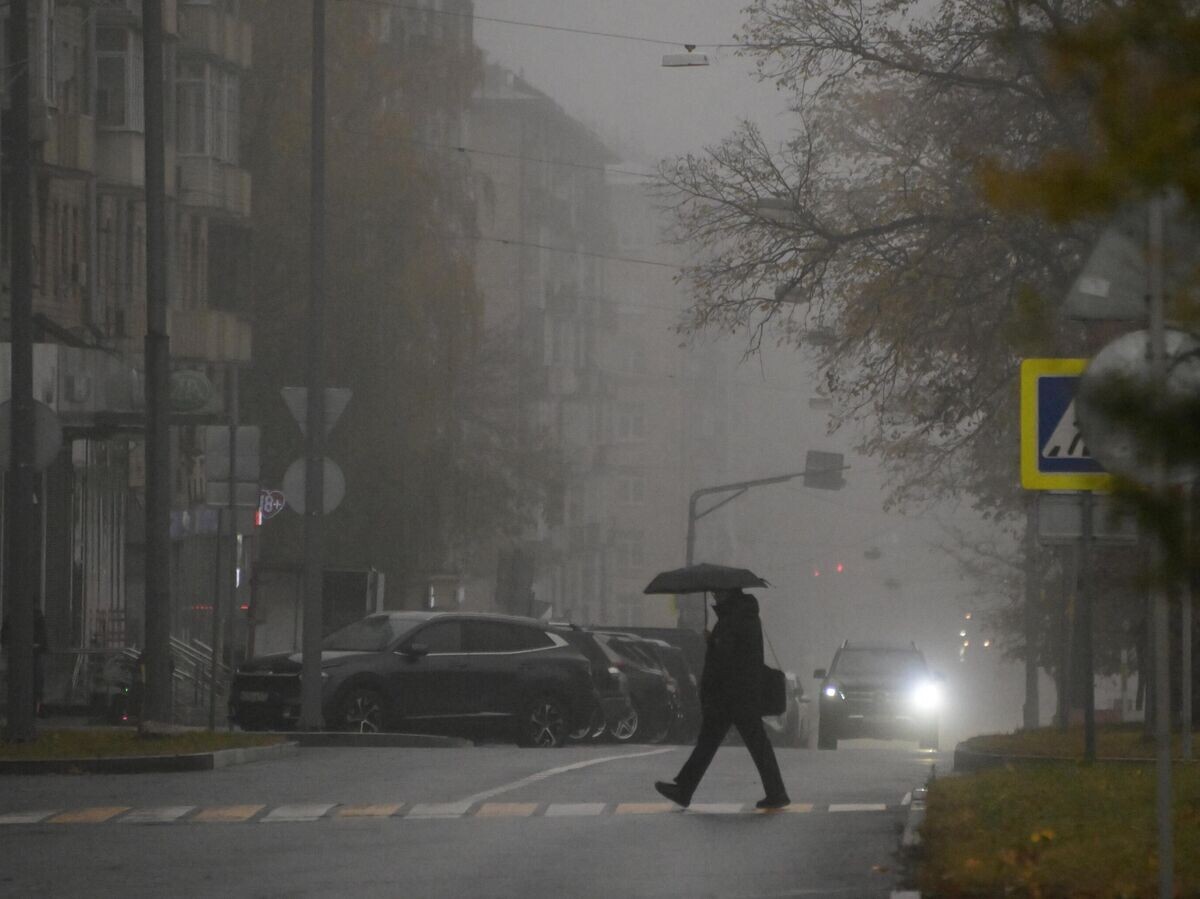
x: 1053, y: 453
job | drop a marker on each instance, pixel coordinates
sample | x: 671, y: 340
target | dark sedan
x: 423, y: 671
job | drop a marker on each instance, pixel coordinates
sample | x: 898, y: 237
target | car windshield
x: 372, y: 634
x: 879, y: 663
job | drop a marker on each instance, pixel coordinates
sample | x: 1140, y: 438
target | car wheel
x: 593, y: 726
x: 826, y: 737
x: 361, y: 710
x: 929, y: 739
x: 625, y: 728
x: 543, y: 722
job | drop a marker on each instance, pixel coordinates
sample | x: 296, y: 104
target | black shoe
x: 674, y: 792
x: 774, y: 802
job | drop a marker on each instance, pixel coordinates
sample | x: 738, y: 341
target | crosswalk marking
x: 643, y: 808
x: 27, y: 817
x: 314, y: 812
x: 163, y: 815
x: 574, y: 809
x: 96, y: 815
x: 506, y: 810
x: 289, y: 813
x: 439, y: 810
x: 369, y: 811
x: 227, y: 814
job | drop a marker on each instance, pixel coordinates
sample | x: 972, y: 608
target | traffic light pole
x: 21, y: 559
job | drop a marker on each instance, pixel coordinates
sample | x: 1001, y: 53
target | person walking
x: 731, y: 695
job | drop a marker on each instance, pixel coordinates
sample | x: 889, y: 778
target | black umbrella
x: 703, y: 578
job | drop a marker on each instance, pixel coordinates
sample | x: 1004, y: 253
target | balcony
x: 208, y: 183
x: 207, y: 31
x: 129, y: 12
x: 71, y: 142
x: 208, y: 335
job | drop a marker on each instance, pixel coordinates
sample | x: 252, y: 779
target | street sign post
x: 1054, y: 455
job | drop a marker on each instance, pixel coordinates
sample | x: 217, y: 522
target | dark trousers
x: 713, y: 727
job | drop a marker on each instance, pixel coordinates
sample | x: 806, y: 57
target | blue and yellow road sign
x: 1053, y: 453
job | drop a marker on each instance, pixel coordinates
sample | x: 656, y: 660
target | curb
x: 968, y: 761
x: 322, y: 739
x: 150, y: 764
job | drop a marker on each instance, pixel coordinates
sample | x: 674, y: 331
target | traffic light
x: 824, y: 470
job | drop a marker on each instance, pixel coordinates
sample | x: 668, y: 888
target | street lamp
x: 821, y: 470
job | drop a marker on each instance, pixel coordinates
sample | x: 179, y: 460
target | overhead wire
x: 588, y: 32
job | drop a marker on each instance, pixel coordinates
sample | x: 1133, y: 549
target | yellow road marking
x: 643, y: 808
x: 96, y: 815
x: 220, y: 814
x: 506, y: 810
x: 368, y: 811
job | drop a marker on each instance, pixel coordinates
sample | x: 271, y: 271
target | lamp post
x: 821, y: 470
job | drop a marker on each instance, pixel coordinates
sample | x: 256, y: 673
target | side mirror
x: 414, y: 650
x: 819, y: 674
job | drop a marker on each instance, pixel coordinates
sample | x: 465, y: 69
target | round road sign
x: 334, y: 486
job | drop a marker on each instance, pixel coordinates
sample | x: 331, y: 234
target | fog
x: 895, y: 584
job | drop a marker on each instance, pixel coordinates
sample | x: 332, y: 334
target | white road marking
x: 907, y: 798
x: 859, y: 807
x: 305, y: 812
x: 439, y: 809
x: 27, y: 817
x: 550, y: 772
x: 574, y: 809
x: 163, y: 815
x: 715, y: 808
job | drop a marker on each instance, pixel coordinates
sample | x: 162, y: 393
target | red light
x: 816, y: 572
x: 840, y: 567
x: 245, y: 607
x: 258, y: 518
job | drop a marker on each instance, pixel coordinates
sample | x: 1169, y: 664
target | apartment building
x: 89, y: 236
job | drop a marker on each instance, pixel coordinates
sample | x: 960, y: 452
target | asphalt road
x: 489, y: 821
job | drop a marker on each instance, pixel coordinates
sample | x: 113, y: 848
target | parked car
x: 792, y: 727
x: 429, y: 671
x: 686, y: 725
x: 613, y: 704
x: 653, y: 691
x: 882, y: 691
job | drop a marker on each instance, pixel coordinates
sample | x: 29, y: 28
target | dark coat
x: 733, y: 660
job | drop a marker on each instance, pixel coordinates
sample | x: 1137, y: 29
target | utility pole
x: 157, y: 702
x: 1161, y: 608
x: 22, y: 548
x: 1087, y: 630
x: 314, y: 474
x: 1032, y: 699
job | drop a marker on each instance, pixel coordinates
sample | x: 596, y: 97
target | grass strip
x: 1113, y: 741
x: 114, y: 743
x: 1056, y: 831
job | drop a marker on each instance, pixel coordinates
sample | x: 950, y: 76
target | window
x: 630, y: 422
x: 441, y: 636
x: 495, y: 636
x: 209, y: 103
x: 119, y: 79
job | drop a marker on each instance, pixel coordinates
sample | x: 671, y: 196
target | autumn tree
x: 867, y: 237
x: 432, y: 469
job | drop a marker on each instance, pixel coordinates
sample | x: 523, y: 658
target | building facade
x: 89, y: 238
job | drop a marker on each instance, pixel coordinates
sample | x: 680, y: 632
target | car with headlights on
x: 429, y: 672
x: 883, y: 691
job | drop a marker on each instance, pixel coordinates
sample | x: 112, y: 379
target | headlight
x: 927, y: 696
x: 831, y: 691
